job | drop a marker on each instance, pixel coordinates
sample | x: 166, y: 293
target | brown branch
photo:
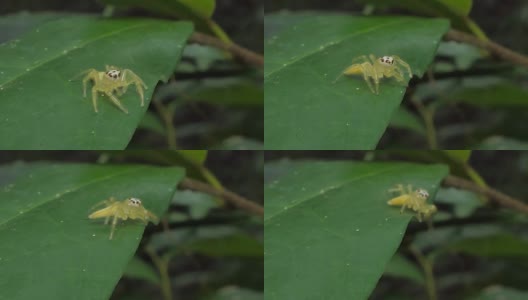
x: 494, y: 195
x: 244, y: 54
x: 496, y: 49
x: 227, y: 195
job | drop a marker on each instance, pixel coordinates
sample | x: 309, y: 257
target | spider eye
x: 135, y: 202
x: 114, y: 74
x: 423, y: 193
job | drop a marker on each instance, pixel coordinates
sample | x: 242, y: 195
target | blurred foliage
x: 211, y: 100
x: 201, y: 249
x: 467, y: 99
x: 476, y: 250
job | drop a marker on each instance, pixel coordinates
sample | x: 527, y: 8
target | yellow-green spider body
x: 415, y: 200
x: 130, y: 208
x: 113, y: 80
x: 377, y: 68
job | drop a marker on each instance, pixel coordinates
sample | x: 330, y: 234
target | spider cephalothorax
x: 377, y: 68
x: 113, y: 80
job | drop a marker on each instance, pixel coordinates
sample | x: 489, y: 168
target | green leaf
x: 187, y: 9
x: 152, y: 122
x: 402, y: 118
x: 305, y: 109
x: 194, y: 156
x: 239, y: 143
x: 329, y: 230
x: 464, y: 203
x: 238, y: 93
x: 502, y: 95
x: 455, y: 10
x: 198, y: 11
x: 495, y: 292
x: 13, y: 25
x: 401, y: 267
x: 199, y: 204
x: 139, y: 269
x: 46, y: 233
x: 502, y: 143
x: 233, y: 293
x: 501, y: 245
x: 41, y: 107
x: 461, y: 156
x: 235, y: 245
x: 462, y: 7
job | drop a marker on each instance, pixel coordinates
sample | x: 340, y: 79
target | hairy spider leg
x: 130, y: 77
x: 373, y: 59
x: 90, y: 73
x: 114, y: 222
x: 94, y: 98
x: 403, y: 63
x: 368, y: 71
x: 397, y: 74
x: 116, y: 102
x: 104, y: 202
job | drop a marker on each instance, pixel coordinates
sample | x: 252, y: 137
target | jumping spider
x: 377, y: 68
x: 414, y: 200
x: 128, y: 208
x: 113, y: 80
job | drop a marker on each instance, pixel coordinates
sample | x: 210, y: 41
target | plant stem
x: 244, y: 54
x: 498, y: 50
x: 427, y: 268
x: 428, y: 117
x: 493, y: 194
x: 167, y: 117
x: 225, y: 194
x: 163, y: 268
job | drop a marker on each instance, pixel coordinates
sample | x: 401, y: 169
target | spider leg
x: 116, y: 102
x: 131, y: 78
x: 361, y: 57
x: 114, y: 222
x: 404, y: 64
x: 397, y: 73
x: 104, y: 202
x: 399, y: 188
x: 373, y: 58
x: 370, y: 71
x: 85, y: 81
x: 94, y: 98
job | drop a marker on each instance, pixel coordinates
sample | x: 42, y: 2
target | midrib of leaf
x: 68, y: 51
x: 329, y: 188
x: 71, y: 190
x: 333, y: 43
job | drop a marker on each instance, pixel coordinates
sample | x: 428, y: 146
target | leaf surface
x: 329, y: 230
x: 305, y: 109
x: 50, y: 249
x: 41, y: 93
